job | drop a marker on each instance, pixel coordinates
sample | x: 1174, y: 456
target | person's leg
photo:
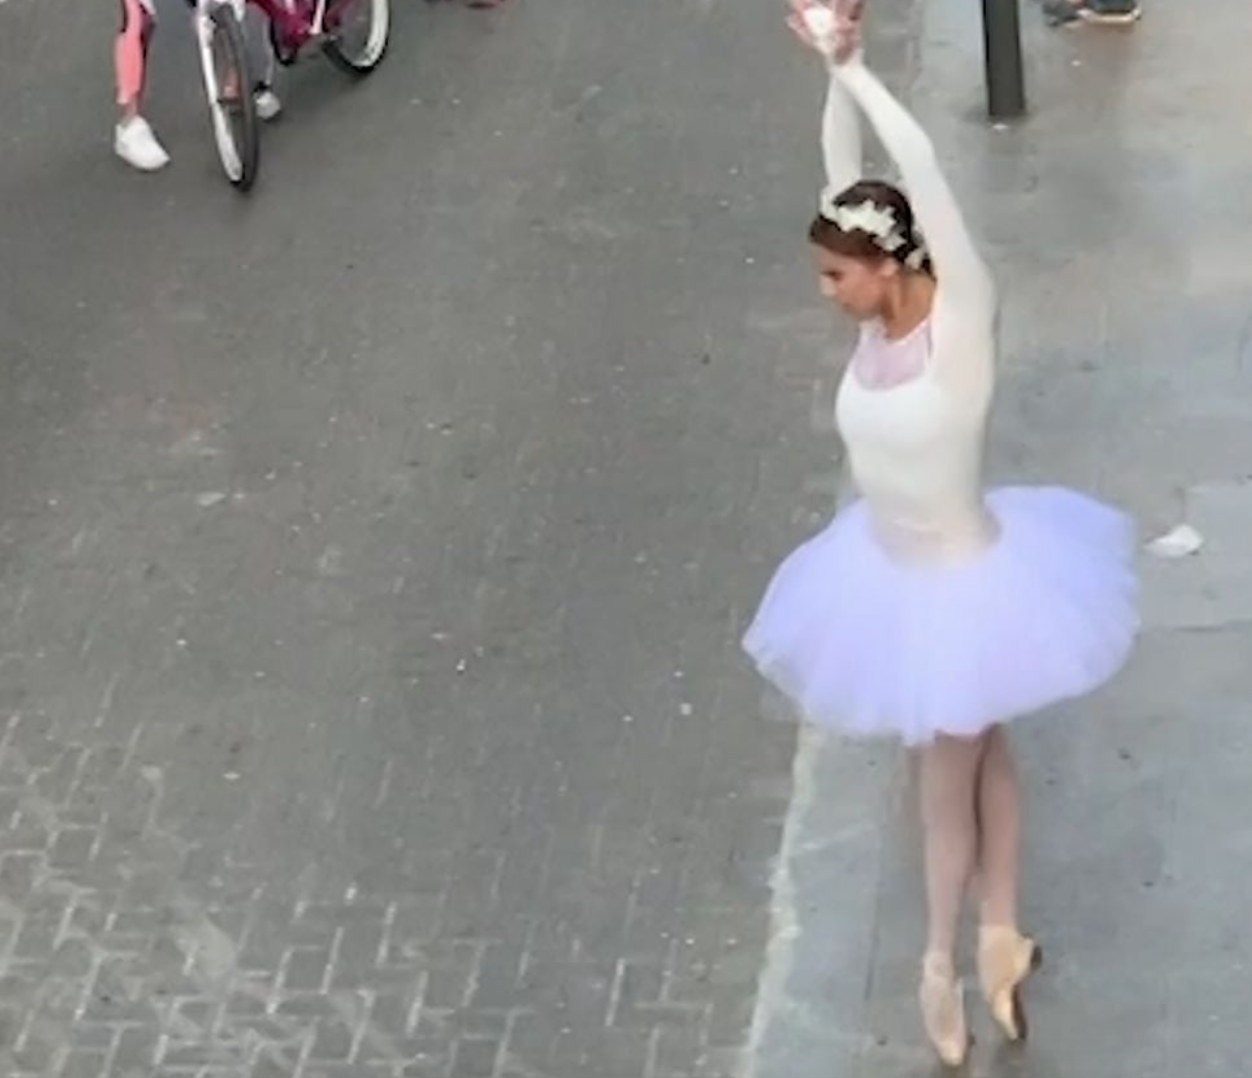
x: 1005, y: 957
x: 133, y: 139
x: 130, y: 55
x: 999, y: 832
x: 268, y: 103
x: 949, y: 795
x: 949, y: 781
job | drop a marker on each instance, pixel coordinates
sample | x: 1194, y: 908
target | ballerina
x: 930, y: 610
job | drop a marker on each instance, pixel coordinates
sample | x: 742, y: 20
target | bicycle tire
x: 236, y: 131
x: 360, y: 62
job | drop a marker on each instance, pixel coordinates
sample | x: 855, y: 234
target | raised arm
x: 841, y: 137
x: 964, y: 280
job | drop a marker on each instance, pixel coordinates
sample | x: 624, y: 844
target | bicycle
x: 293, y: 26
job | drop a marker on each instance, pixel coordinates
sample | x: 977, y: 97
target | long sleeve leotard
x: 915, y: 449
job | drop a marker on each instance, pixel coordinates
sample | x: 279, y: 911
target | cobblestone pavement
x: 374, y: 551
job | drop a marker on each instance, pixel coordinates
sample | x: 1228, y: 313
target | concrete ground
x: 1114, y: 217
x: 374, y: 552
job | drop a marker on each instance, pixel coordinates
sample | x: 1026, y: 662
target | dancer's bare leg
x: 1005, y: 957
x: 949, y: 800
x: 949, y: 796
x: 999, y: 832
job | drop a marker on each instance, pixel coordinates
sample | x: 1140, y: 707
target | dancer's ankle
x: 938, y: 962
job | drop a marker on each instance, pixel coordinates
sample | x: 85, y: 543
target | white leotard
x: 916, y: 448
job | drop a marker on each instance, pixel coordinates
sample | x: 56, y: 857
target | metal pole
x: 1002, y: 44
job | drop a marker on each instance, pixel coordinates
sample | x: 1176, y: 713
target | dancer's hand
x: 832, y: 28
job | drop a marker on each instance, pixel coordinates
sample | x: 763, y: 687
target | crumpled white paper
x: 1180, y: 542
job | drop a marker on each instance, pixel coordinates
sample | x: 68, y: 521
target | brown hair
x: 855, y: 243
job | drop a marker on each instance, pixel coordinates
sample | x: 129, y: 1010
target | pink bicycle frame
x: 297, y: 22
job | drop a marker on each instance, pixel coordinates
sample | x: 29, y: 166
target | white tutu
x: 873, y: 646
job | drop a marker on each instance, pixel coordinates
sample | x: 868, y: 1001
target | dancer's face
x: 860, y: 286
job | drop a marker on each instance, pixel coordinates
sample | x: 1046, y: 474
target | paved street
x: 374, y: 551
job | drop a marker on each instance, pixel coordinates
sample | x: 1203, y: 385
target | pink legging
x: 130, y: 53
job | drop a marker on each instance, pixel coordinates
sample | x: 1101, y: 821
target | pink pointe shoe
x: 1005, y: 959
x: 942, y: 997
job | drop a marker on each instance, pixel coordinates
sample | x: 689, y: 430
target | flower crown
x: 879, y: 224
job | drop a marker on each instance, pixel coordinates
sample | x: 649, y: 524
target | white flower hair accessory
x: 878, y: 223
x: 916, y: 258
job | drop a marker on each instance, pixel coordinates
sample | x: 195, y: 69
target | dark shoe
x: 1099, y: 12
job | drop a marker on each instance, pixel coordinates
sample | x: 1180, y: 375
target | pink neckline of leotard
x: 894, y: 342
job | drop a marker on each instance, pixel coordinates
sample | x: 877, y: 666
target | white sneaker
x: 134, y: 143
x: 268, y: 103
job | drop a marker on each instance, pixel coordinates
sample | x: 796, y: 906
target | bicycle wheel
x: 224, y: 60
x: 359, y: 38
